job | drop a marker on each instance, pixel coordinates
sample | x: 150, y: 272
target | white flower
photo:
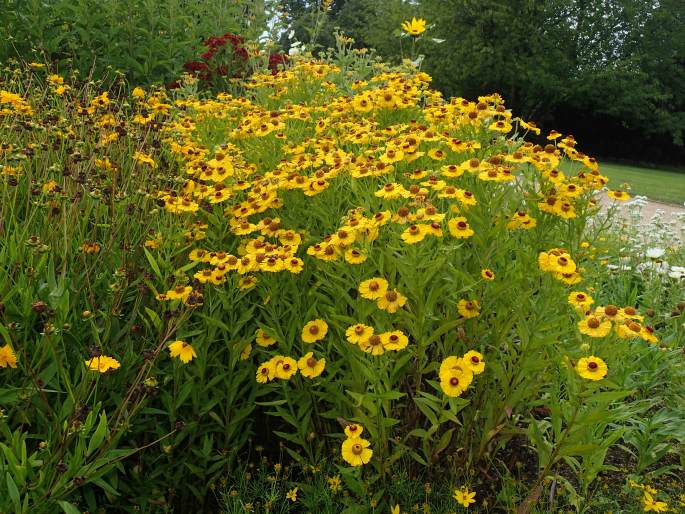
x: 655, y: 253
x: 659, y: 267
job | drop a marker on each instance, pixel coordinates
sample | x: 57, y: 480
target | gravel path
x: 651, y: 206
x: 670, y: 209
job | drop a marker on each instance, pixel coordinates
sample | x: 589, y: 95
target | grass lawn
x: 666, y: 186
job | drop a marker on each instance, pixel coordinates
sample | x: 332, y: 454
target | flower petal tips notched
x: 183, y: 351
x: 591, y: 368
x: 415, y: 27
x: 8, y: 357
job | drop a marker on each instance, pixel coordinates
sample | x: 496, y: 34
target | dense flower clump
x: 332, y: 251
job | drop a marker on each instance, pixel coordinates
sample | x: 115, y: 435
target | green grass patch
x: 662, y: 185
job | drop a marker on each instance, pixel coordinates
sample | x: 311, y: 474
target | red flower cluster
x: 235, y: 66
x: 214, y: 43
x: 275, y: 60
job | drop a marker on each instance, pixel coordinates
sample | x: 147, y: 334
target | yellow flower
x: 284, y: 367
x: 354, y: 256
x: 311, y: 367
x: 356, y: 451
x: 580, y: 300
x: 55, y: 79
x: 487, y: 274
x: 594, y: 327
x: 263, y: 339
x: 179, y: 293
x: 292, y: 495
x: 474, y: 361
x: 459, y: 228
x: 652, y: 505
x: 314, y: 331
x: 415, y: 234
x: 464, y: 497
x: 358, y: 333
x: 592, y: 368
x: 7, y: 357
x: 469, y: 308
x: 334, y: 483
x: 144, y: 159
x: 395, y: 510
x: 395, y: 340
x: 138, y: 92
x: 414, y: 27
x: 372, y: 345
x: 50, y: 186
x: 183, y: 351
x: 354, y: 430
x: 102, y: 364
x: 247, y: 282
x: 266, y: 372
x: 621, y: 196
x: 391, y: 301
x: 455, y: 376
x: 373, y: 288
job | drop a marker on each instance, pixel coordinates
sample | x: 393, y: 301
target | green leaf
x: 13, y: 492
x: 153, y: 263
x: 68, y: 508
x: 99, y: 434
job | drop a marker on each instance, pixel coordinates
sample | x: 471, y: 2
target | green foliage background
x: 147, y: 40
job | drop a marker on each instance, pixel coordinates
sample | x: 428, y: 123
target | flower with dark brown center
x: 611, y: 310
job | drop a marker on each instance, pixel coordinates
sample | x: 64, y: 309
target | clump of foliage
x: 148, y: 41
x: 338, y: 262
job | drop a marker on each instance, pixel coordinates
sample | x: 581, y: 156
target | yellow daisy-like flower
x: 453, y: 384
x: 372, y: 345
x: 266, y: 372
x: 582, y: 301
x: 414, y: 27
x: 592, y: 368
x: 354, y: 256
x: 247, y: 351
x: 487, y: 274
x: 455, y: 376
x: 469, y: 308
x: 263, y: 339
x: 594, y: 327
x: 354, y: 430
x: 414, y: 234
x: 652, y: 505
x: 459, y: 228
x: 102, y: 364
x: 292, y: 494
x: 391, y: 301
x: 183, y: 351
x: 356, y: 451
x: 7, y: 357
x: 284, y: 367
x: 621, y: 196
x: 311, y: 367
x: 474, y: 360
x: 464, y: 497
x: 314, y: 331
x: 395, y: 340
x: 373, y: 288
x: 179, y: 293
x: 358, y: 333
